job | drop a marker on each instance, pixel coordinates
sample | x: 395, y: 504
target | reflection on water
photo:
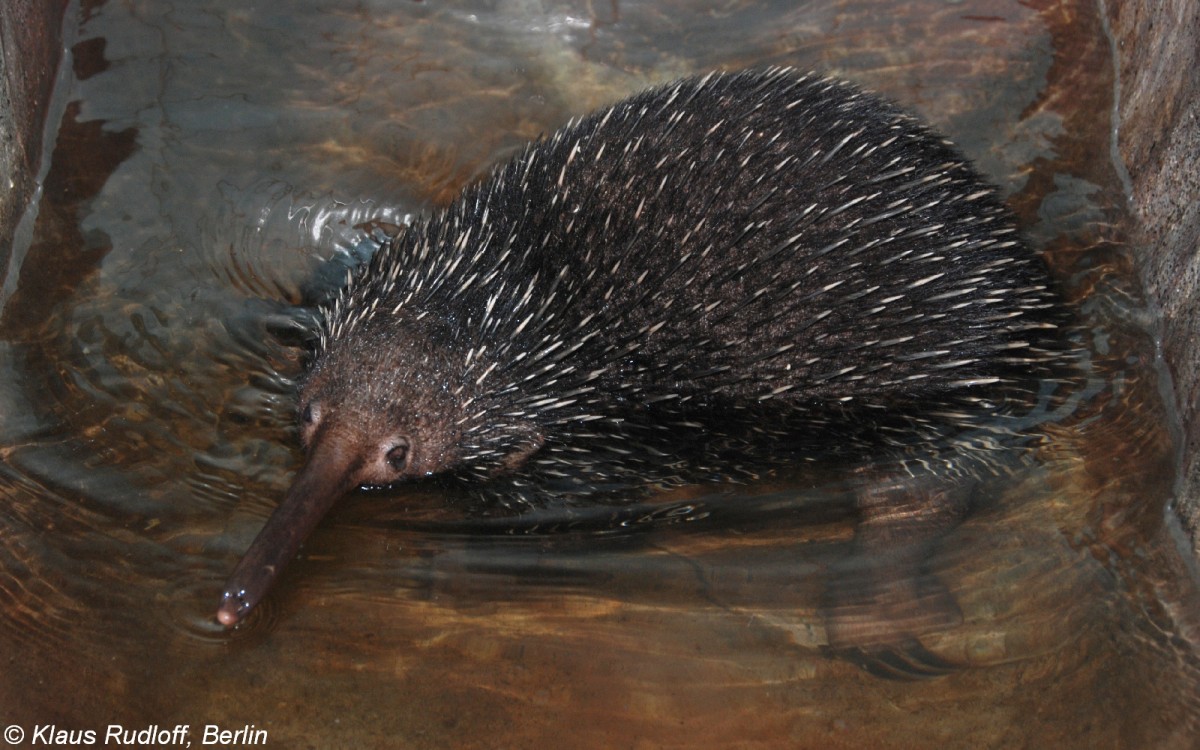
x: 214, y: 158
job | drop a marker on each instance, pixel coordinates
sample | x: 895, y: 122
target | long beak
x: 327, y: 476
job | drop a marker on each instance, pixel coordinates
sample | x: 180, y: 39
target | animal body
x: 768, y: 256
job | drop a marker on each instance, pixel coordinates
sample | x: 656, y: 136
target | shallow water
x: 208, y: 161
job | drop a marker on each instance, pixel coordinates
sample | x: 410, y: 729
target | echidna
x: 762, y: 253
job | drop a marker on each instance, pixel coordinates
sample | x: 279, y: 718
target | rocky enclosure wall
x: 1158, y: 138
x: 30, y: 49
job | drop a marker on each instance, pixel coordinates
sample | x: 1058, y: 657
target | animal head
x: 403, y: 402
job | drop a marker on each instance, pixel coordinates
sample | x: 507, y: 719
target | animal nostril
x: 397, y: 457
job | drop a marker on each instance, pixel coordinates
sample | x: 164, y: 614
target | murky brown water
x: 209, y: 158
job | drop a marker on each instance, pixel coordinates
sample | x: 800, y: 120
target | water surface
x: 211, y: 168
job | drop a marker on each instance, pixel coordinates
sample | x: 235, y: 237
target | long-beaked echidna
x: 767, y: 244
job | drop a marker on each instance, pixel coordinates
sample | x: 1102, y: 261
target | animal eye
x: 397, y: 457
x: 308, y: 415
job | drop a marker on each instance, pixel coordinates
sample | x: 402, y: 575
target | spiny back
x: 737, y: 242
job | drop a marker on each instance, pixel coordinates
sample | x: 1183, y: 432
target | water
x: 209, y: 160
